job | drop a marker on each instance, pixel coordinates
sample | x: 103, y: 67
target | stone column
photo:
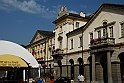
x: 93, y: 69
x: 47, y: 50
x: 109, y: 67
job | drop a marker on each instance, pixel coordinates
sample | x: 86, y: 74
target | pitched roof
x: 121, y: 6
x: 70, y: 15
x: 46, y: 33
x: 92, y: 16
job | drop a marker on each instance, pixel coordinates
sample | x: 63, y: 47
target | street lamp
x: 50, y: 68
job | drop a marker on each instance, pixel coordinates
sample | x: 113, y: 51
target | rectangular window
x: 77, y: 24
x: 80, y: 39
x: 111, y: 32
x: 71, y: 43
x: 99, y: 33
x: 104, y: 32
x: 91, y: 35
x: 122, y: 29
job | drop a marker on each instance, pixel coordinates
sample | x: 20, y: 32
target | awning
x: 8, y: 60
x: 7, y: 47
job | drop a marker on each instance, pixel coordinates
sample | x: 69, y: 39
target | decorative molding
x: 62, y: 11
x: 109, y: 24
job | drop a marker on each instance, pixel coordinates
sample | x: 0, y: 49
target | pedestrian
x: 51, y: 78
x: 39, y: 81
x: 78, y: 78
x: 72, y: 77
x: 82, y: 79
x: 43, y: 79
x: 123, y: 79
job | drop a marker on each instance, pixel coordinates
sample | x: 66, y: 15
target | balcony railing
x: 57, y: 51
x: 102, y: 41
x: 57, y: 54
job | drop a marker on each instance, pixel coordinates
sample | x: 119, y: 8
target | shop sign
x: 9, y: 63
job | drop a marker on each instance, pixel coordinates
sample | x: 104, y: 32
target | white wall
x: 110, y: 16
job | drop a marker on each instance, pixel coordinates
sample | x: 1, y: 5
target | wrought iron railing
x: 100, y: 41
x: 57, y: 51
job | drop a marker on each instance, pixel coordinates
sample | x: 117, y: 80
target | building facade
x: 89, y: 45
x: 103, y: 35
x: 41, y: 48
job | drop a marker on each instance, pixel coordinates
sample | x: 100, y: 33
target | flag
x: 33, y: 51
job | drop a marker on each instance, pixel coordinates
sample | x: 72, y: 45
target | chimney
x: 82, y: 14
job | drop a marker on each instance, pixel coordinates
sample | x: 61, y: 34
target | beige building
x: 41, y: 48
x: 68, y: 37
x: 99, y: 35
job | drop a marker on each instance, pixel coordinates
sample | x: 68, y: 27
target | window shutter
x: 122, y: 29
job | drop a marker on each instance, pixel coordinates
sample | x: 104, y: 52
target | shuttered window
x: 71, y: 43
x: 80, y: 38
x: 111, y: 32
x: 104, y: 32
x: 122, y: 30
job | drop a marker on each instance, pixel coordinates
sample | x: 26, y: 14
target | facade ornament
x: 63, y: 10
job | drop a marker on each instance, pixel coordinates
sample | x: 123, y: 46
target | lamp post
x: 50, y: 68
x: 82, y: 52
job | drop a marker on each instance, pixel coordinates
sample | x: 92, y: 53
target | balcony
x: 57, y: 51
x: 57, y: 54
x: 102, y: 41
x: 102, y: 44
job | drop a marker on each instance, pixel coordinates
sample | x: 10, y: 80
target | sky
x: 20, y: 19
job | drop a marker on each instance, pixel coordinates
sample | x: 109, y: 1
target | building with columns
x: 89, y: 45
x: 41, y: 48
x: 103, y: 36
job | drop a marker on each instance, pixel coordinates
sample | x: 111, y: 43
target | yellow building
x: 41, y: 47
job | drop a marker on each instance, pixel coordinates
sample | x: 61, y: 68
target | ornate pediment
x: 37, y: 37
x: 62, y: 11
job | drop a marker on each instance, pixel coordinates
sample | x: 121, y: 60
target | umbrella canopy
x: 7, y: 47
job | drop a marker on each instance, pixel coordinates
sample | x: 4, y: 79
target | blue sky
x: 20, y: 19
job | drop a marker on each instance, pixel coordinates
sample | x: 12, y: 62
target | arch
x: 121, y: 57
x: 81, y: 66
x: 90, y: 67
x: 72, y: 68
x: 80, y: 60
x: 71, y: 61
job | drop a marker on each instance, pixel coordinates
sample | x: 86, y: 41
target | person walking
x: 82, y: 79
x: 78, y: 78
x: 51, y: 78
x: 122, y: 79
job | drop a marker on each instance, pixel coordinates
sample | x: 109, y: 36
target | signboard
x: 10, y: 63
x: 8, y: 60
